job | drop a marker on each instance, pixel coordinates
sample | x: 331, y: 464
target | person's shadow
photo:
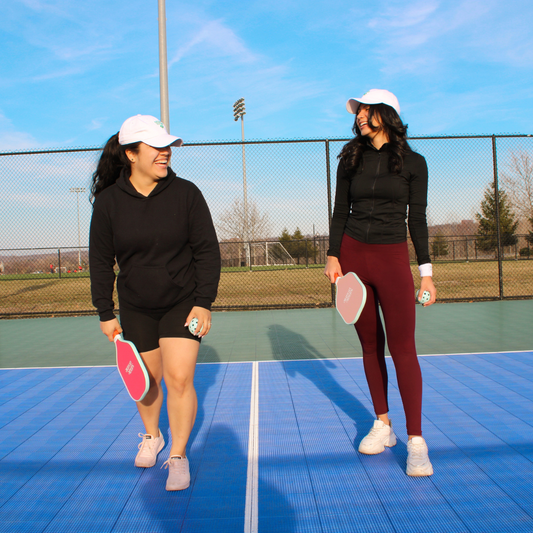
x: 167, y: 510
x: 291, y: 347
x: 219, y: 462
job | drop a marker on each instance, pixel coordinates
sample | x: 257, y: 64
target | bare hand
x: 204, y: 320
x: 333, y: 268
x: 427, y: 285
x: 109, y: 327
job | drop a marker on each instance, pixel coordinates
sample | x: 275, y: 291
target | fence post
x: 328, y: 182
x: 306, y: 254
x: 330, y: 212
x: 59, y: 262
x: 497, y: 214
x: 467, y: 249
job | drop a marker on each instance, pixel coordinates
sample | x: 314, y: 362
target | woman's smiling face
x: 151, y: 162
x: 363, y: 121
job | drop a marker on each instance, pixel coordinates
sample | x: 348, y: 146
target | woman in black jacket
x: 159, y: 230
x: 380, y: 183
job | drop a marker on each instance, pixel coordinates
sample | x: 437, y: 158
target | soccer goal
x: 270, y: 254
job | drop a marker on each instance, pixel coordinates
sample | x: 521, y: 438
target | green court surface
x: 278, y: 334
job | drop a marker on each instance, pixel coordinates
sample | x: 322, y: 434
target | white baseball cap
x: 374, y: 96
x: 146, y: 129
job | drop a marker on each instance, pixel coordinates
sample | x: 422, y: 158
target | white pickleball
x: 426, y: 296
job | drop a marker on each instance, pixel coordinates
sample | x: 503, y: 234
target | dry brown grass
x: 292, y: 287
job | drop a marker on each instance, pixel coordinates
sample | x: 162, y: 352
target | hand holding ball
x: 193, y: 324
x: 426, y: 296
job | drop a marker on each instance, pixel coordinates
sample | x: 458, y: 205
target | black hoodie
x: 165, y: 246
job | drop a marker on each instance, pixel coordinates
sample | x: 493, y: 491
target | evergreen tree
x: 439, y: 246
x: 487, y: 230
x: 296, y: 244
x: 529, y: 236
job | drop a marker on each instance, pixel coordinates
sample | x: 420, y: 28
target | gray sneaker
x: 149, y: 447
x: 380, y: 435
x: 179, y: 477
x: 418, y: 463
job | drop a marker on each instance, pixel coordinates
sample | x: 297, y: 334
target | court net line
x: 252, y: 478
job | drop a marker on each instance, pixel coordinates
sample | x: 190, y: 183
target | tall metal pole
x: 77, y: 190
x: 497, y: 215
x: 163, y: 68
x: 245, y: 188
x: 239, y: 112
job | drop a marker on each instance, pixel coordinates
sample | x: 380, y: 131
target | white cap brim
x: 163, y: 140
x: 352, y: 105
x: 158, y: 141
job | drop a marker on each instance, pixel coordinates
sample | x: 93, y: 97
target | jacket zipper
x: 373, y: 198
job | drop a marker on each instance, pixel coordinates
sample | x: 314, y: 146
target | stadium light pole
x: 163, y: 65
x: 77, y: 190
x: 239, y: 111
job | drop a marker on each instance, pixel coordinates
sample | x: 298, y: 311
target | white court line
x: 252, y: 479
x: 275, y: 360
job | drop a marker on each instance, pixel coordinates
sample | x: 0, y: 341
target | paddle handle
x: 116, y: 334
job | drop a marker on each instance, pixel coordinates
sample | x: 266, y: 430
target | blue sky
x: 72, y: 72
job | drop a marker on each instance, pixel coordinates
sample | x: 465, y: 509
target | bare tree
x: 518, y: 183
x: 230, y: 224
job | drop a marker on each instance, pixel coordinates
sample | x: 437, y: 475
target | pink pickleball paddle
x: 131, y: 368
x: 350, y: 298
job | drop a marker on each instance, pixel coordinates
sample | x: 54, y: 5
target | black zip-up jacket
x: 164, y: 243
x: 371, y: 202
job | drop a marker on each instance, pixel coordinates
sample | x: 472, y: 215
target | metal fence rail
x: 480, y: 219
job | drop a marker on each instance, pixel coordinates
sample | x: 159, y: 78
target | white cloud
x: 11, y: 139
x: 420, y: 37
x: 96, y: 124
x: 401, y: 17
x: 216, y: 39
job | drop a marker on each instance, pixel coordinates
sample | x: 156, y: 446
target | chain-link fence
x: 272, y: 205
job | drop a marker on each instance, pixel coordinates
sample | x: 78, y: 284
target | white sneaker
x: 179, y: 477
x: 149, y: 447
x: 418, y: 463
x: 379, y: 436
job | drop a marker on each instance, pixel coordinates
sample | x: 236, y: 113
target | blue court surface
x: 273, y: 450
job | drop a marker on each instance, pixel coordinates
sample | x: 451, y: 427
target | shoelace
x: 146, y: 444
x: 375, y: 433
x: 417, y: 451
x: 181, y: 463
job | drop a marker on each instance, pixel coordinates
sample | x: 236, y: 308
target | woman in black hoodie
x: 158, y: 229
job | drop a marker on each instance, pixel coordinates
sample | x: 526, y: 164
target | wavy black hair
x: 110, y: 164
x: 392, y: 125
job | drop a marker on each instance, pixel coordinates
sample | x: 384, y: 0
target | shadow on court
x: 287, y: 343
x: 218, y: 458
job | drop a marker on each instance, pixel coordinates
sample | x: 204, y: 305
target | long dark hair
x: 110, y: 164
x: 395, y: 129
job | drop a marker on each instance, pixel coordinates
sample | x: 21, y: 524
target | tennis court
x: 283, y: 404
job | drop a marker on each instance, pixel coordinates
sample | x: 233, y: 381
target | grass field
x: 42, y: 293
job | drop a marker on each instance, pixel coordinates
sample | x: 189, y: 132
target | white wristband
x: 426, y: 270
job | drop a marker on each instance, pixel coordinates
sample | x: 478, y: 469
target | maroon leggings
x: 386, y: 273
